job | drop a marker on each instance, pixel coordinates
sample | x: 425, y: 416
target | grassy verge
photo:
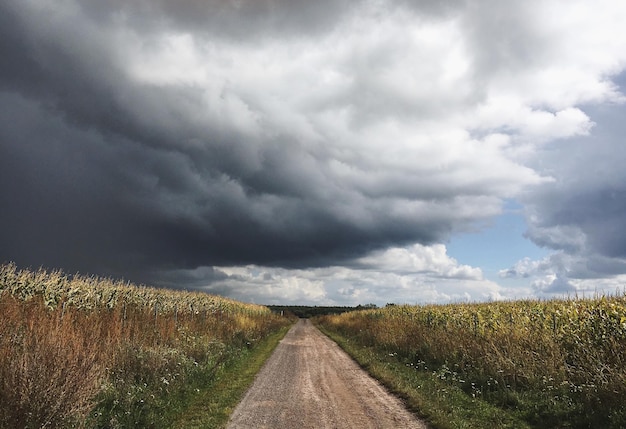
x: 443, y: 405
x: 212, y: 406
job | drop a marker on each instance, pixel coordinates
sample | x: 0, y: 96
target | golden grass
x: 69, y: 346
x: 570, y: 354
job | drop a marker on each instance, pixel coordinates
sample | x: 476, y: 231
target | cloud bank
x: 228, y: 144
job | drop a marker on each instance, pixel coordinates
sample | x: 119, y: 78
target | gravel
x: 309, y: 382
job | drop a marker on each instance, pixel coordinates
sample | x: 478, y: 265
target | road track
x: 309, y: 382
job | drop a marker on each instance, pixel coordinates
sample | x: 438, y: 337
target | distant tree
x: 366, y: 307
x: 304, y: 311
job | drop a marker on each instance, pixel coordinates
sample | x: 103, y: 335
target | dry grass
x: 562, y: 358
x: 50, y: 367
x: 85, y: 351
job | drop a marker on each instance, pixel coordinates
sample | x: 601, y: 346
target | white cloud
x: 418, y: 259
x: 413, y: 274
x: 561, y: 273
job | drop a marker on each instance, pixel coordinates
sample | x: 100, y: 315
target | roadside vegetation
x: 540, y: 364
x: 87, y: 352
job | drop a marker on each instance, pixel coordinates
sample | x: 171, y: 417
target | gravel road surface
x: 309, y: 382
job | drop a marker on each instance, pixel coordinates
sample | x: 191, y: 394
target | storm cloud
x: 581, y: 214
x: 180, y: 143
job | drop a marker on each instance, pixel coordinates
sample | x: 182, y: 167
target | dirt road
x: 309, y: 382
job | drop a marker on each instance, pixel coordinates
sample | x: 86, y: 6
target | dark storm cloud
x: 598, y: 213
x: 581, y: 215
x: 588, y: 200
x: 77, y: 80
x: 104, y: 174
x: 197, y: 278
x: 78, y: 200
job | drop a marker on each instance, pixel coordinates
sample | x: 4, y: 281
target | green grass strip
x: 212, y: 406
x: 441, y: 404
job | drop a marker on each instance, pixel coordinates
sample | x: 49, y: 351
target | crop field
x: 82, y: 351
x: 558, y: 363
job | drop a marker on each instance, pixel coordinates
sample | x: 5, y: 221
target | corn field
x: 90, y: 292
x: 567, y: 356
x: 82, y: 351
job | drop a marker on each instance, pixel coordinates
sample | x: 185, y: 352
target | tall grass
x: 89, y: 352
x: 557, y: 363
x: 49, y: 368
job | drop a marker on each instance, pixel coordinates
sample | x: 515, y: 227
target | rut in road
x: 309, y: 382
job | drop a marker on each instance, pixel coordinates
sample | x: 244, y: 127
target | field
x: 88, y: 352
x: 551, y: 364
x: 79, y: 351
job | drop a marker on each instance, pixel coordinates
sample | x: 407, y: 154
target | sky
x: 318, y: 153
